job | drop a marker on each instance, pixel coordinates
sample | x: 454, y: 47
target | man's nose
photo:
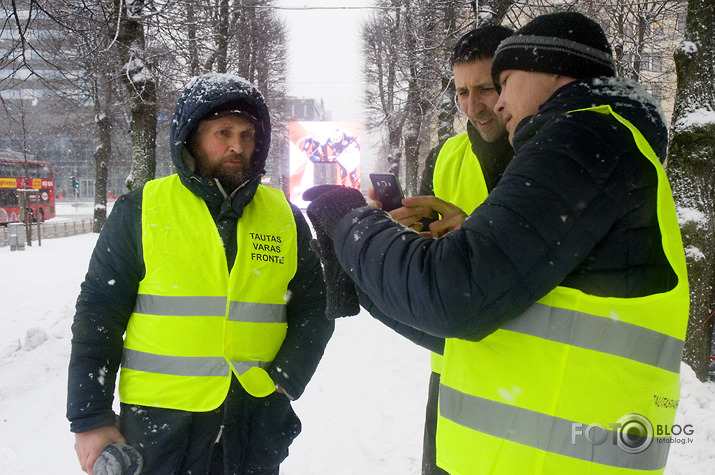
x: 474, y: 105
x: 235, y: 144
x: 499, y: 106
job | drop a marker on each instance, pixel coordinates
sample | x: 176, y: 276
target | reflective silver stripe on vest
x: 605, y: 335
x: 544, y: 432
x: 175, y: 365
x: 180, y: 306
x: 210, y: 306
x: 257, y: 312
x: 243, y: 366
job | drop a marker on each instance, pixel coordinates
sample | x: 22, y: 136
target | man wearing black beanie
x: 562, y: 43
x: 563, y: 298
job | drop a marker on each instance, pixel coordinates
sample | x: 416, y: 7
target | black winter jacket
x: 109, y: 291
x: 576, y: 207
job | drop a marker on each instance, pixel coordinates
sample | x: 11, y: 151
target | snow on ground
x: 67, y: 209
x: 363, y: 409
x: 362, y: 413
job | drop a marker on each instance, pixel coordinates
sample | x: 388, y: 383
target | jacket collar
x: 625, y: 96
x: 493, y: 156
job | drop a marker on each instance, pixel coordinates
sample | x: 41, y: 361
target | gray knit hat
x: 566, y: 43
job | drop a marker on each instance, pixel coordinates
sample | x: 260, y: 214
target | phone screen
x: 387, y: 189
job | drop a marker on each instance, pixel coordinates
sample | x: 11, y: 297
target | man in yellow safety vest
x: 563, y: 298
x: 210, y: 277
x: 458, y: 176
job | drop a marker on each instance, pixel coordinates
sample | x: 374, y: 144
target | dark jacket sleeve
x: 105, y: 302
x: 419, y: 337
x: 308, y: 328
x: 425, y: 340
x: 432, y: 343
x: 549, y: 210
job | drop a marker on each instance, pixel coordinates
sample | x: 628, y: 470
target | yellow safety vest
x: 551, y: 391
x: 458, y: 179
x: 194, y: 322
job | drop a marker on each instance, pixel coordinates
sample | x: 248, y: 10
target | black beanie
x: 565, y: 43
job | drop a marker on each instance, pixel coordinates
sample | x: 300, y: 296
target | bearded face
x: 223, y: 149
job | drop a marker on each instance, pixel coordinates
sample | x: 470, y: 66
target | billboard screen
x: 326, y: 152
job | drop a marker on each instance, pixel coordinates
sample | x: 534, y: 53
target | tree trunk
x: 411, y: 134
x: 222, y: 37
x: 141, y: 88
x: 691, y: 166
x: 414, y: 112
x: 490, y: 12
x: 102, y: 154
x: 191, y: 28
x: 143, y: 134
x: 394, y: 142
x: 447, y: 108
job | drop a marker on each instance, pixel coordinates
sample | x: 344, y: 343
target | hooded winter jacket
x: 109, y: 292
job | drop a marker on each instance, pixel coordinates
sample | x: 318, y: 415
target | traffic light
x: 74, y: 183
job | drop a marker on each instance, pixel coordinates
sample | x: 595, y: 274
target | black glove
x: 118, y: 459
x: 329, y: 204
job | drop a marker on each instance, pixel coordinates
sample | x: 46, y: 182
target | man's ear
x: 561, y: 80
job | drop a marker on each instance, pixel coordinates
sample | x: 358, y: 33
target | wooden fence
x: 52, y: 229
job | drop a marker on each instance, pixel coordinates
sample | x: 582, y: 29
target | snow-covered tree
x: 90, y: 39
x: 691, y: 167
x: 66, y: 47
x: 242, y: 37
x: 406, y: 47
x: 140, y: 83
x: 383, y: 104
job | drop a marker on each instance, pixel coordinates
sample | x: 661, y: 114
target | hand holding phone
x: 388, y: 190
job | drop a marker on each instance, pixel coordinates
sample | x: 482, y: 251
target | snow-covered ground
x: 362, y: 413
x: 70, y: 208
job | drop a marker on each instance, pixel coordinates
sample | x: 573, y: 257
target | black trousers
x: 429, y: 444
x: 245, y: 435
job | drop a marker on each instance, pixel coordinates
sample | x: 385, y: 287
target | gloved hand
x: 119, y: 459
x: 329, y: 204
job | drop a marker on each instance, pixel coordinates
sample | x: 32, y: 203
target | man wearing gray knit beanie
x: 563, y: 298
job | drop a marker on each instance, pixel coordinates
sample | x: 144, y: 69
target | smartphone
x: 388, y: 190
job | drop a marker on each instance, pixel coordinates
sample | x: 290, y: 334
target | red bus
x: 26, y: 185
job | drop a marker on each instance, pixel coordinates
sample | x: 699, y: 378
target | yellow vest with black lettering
x: 568, y: 386
x: 458, y: 179
x: 194, y: 323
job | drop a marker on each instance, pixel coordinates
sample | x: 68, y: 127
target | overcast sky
x: 324, y: 52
